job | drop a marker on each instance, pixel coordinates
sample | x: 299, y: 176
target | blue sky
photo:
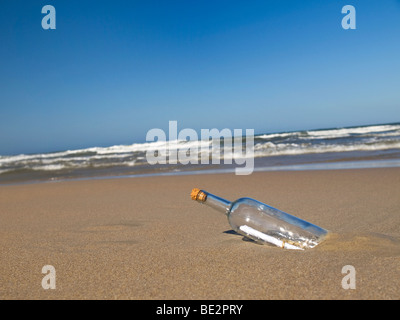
x: 112, y: 70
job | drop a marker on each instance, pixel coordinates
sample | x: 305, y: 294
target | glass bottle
x: 264, y: 224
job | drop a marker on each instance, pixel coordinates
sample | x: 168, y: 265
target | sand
x: 144, y: 238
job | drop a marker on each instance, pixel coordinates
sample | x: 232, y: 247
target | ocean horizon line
x: 55, y: 151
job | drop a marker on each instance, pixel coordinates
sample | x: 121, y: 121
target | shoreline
x: 328, y: 165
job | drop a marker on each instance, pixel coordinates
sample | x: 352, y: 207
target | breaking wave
x: 337, y: 140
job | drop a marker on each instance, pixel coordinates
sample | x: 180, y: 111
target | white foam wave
x: 51, y: 167
x: 381, y: 130
x: 100, y: 153
x: 271, y: 149
x: 345, y: 132
x: 279, y: 135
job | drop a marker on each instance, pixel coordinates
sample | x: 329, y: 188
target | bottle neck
x: 214, y: 202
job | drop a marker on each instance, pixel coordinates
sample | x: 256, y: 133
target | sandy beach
x: 144, y: 238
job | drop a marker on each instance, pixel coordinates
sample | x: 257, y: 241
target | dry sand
x: 144, y: 238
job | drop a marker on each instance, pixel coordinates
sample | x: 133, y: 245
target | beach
x: 144, y: 238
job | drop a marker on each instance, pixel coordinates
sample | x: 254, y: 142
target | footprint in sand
x: 114, y: 233
x: 113, y: 227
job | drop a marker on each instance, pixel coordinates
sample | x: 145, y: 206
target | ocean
x: 332, y: 148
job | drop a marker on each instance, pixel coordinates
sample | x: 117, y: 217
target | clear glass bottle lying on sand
x: 264, y: 224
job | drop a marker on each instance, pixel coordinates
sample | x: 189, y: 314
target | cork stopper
x: 198, y: 195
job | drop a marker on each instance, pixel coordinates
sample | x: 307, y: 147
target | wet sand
x: 144, y: 238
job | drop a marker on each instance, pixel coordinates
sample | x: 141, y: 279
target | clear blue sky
x: 112, y: 70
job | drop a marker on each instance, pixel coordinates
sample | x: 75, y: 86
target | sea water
x: 332, y: 148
